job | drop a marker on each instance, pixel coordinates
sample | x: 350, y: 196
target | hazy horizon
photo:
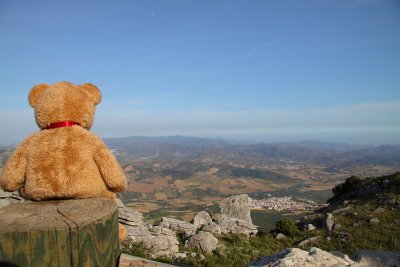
x: 268, y: 71
x: 263, y: 138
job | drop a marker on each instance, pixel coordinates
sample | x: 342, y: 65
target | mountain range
x: 334, y: 155
x: 183, y: 168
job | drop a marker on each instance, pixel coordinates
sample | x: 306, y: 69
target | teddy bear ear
x: 35, y: 92
x: 92, y: 91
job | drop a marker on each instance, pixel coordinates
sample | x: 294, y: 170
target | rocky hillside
x: 360, y: 227
x: 355, y: 188
x: 162, y: 239
x: 362, y: 220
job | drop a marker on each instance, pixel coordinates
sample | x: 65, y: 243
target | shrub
x: 348, y: 186
x: 286, y: 226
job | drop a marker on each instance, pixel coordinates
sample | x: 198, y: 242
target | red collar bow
x: 60, y: 124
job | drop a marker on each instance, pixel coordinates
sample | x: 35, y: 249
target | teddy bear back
x: 64, y: 101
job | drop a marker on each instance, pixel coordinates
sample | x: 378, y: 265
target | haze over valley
x: 178, y: 167
x: 178, y: 176
x: 182, y: 174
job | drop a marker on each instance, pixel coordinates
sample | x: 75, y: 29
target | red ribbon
x: 60, y: 124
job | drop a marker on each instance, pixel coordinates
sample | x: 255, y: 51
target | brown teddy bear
x: 63, y: 160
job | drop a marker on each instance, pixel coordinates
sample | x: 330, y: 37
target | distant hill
x: 342, y: 147
x: 334, y: 155
x: 179, y: 167
x: 177, y: 140
x: 187, y: 167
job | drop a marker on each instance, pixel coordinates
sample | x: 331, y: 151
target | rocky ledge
x: 8, y: 198
x: 161, y: 239
x: 317, y: 257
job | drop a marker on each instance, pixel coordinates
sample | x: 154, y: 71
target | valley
x: 178, y: 176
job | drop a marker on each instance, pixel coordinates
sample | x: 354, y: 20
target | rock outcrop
x: 297, y: 257
x: 309, y: 227
x: 236, y: 207
x: 178, y: 226
x: 371, y: 258
x: 211, y: 227
x: 161, y: 240
x: 356, y: 188
x: 293, y: 257
x: 309, y: 240
x: 280, y: 236
x: 235, y: 215
x: 130, y: 217
x: 237, y: 226
x: 201, y: 218
x: 234, y: 218
x: 329, y: 222
x: 158, y: 240
x: 203, y: 241
x: 8, y: 198
x: 163, y: 243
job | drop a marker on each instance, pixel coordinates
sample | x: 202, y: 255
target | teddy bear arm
x: 111, y: 172
x: 13, y: 175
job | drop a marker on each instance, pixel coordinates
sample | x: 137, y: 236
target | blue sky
x: 260, y: 70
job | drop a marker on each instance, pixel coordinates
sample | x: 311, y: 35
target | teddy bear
x: 63, y: 160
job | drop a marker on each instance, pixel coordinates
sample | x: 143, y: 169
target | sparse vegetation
x: 358, y: 232
x: 135, y: 248
x: 354, y: 215
x: 238, y: 250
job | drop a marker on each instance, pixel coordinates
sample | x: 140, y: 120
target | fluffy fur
x: 67, y: 162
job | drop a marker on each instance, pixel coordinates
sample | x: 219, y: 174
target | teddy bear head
x: 64, y: 101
